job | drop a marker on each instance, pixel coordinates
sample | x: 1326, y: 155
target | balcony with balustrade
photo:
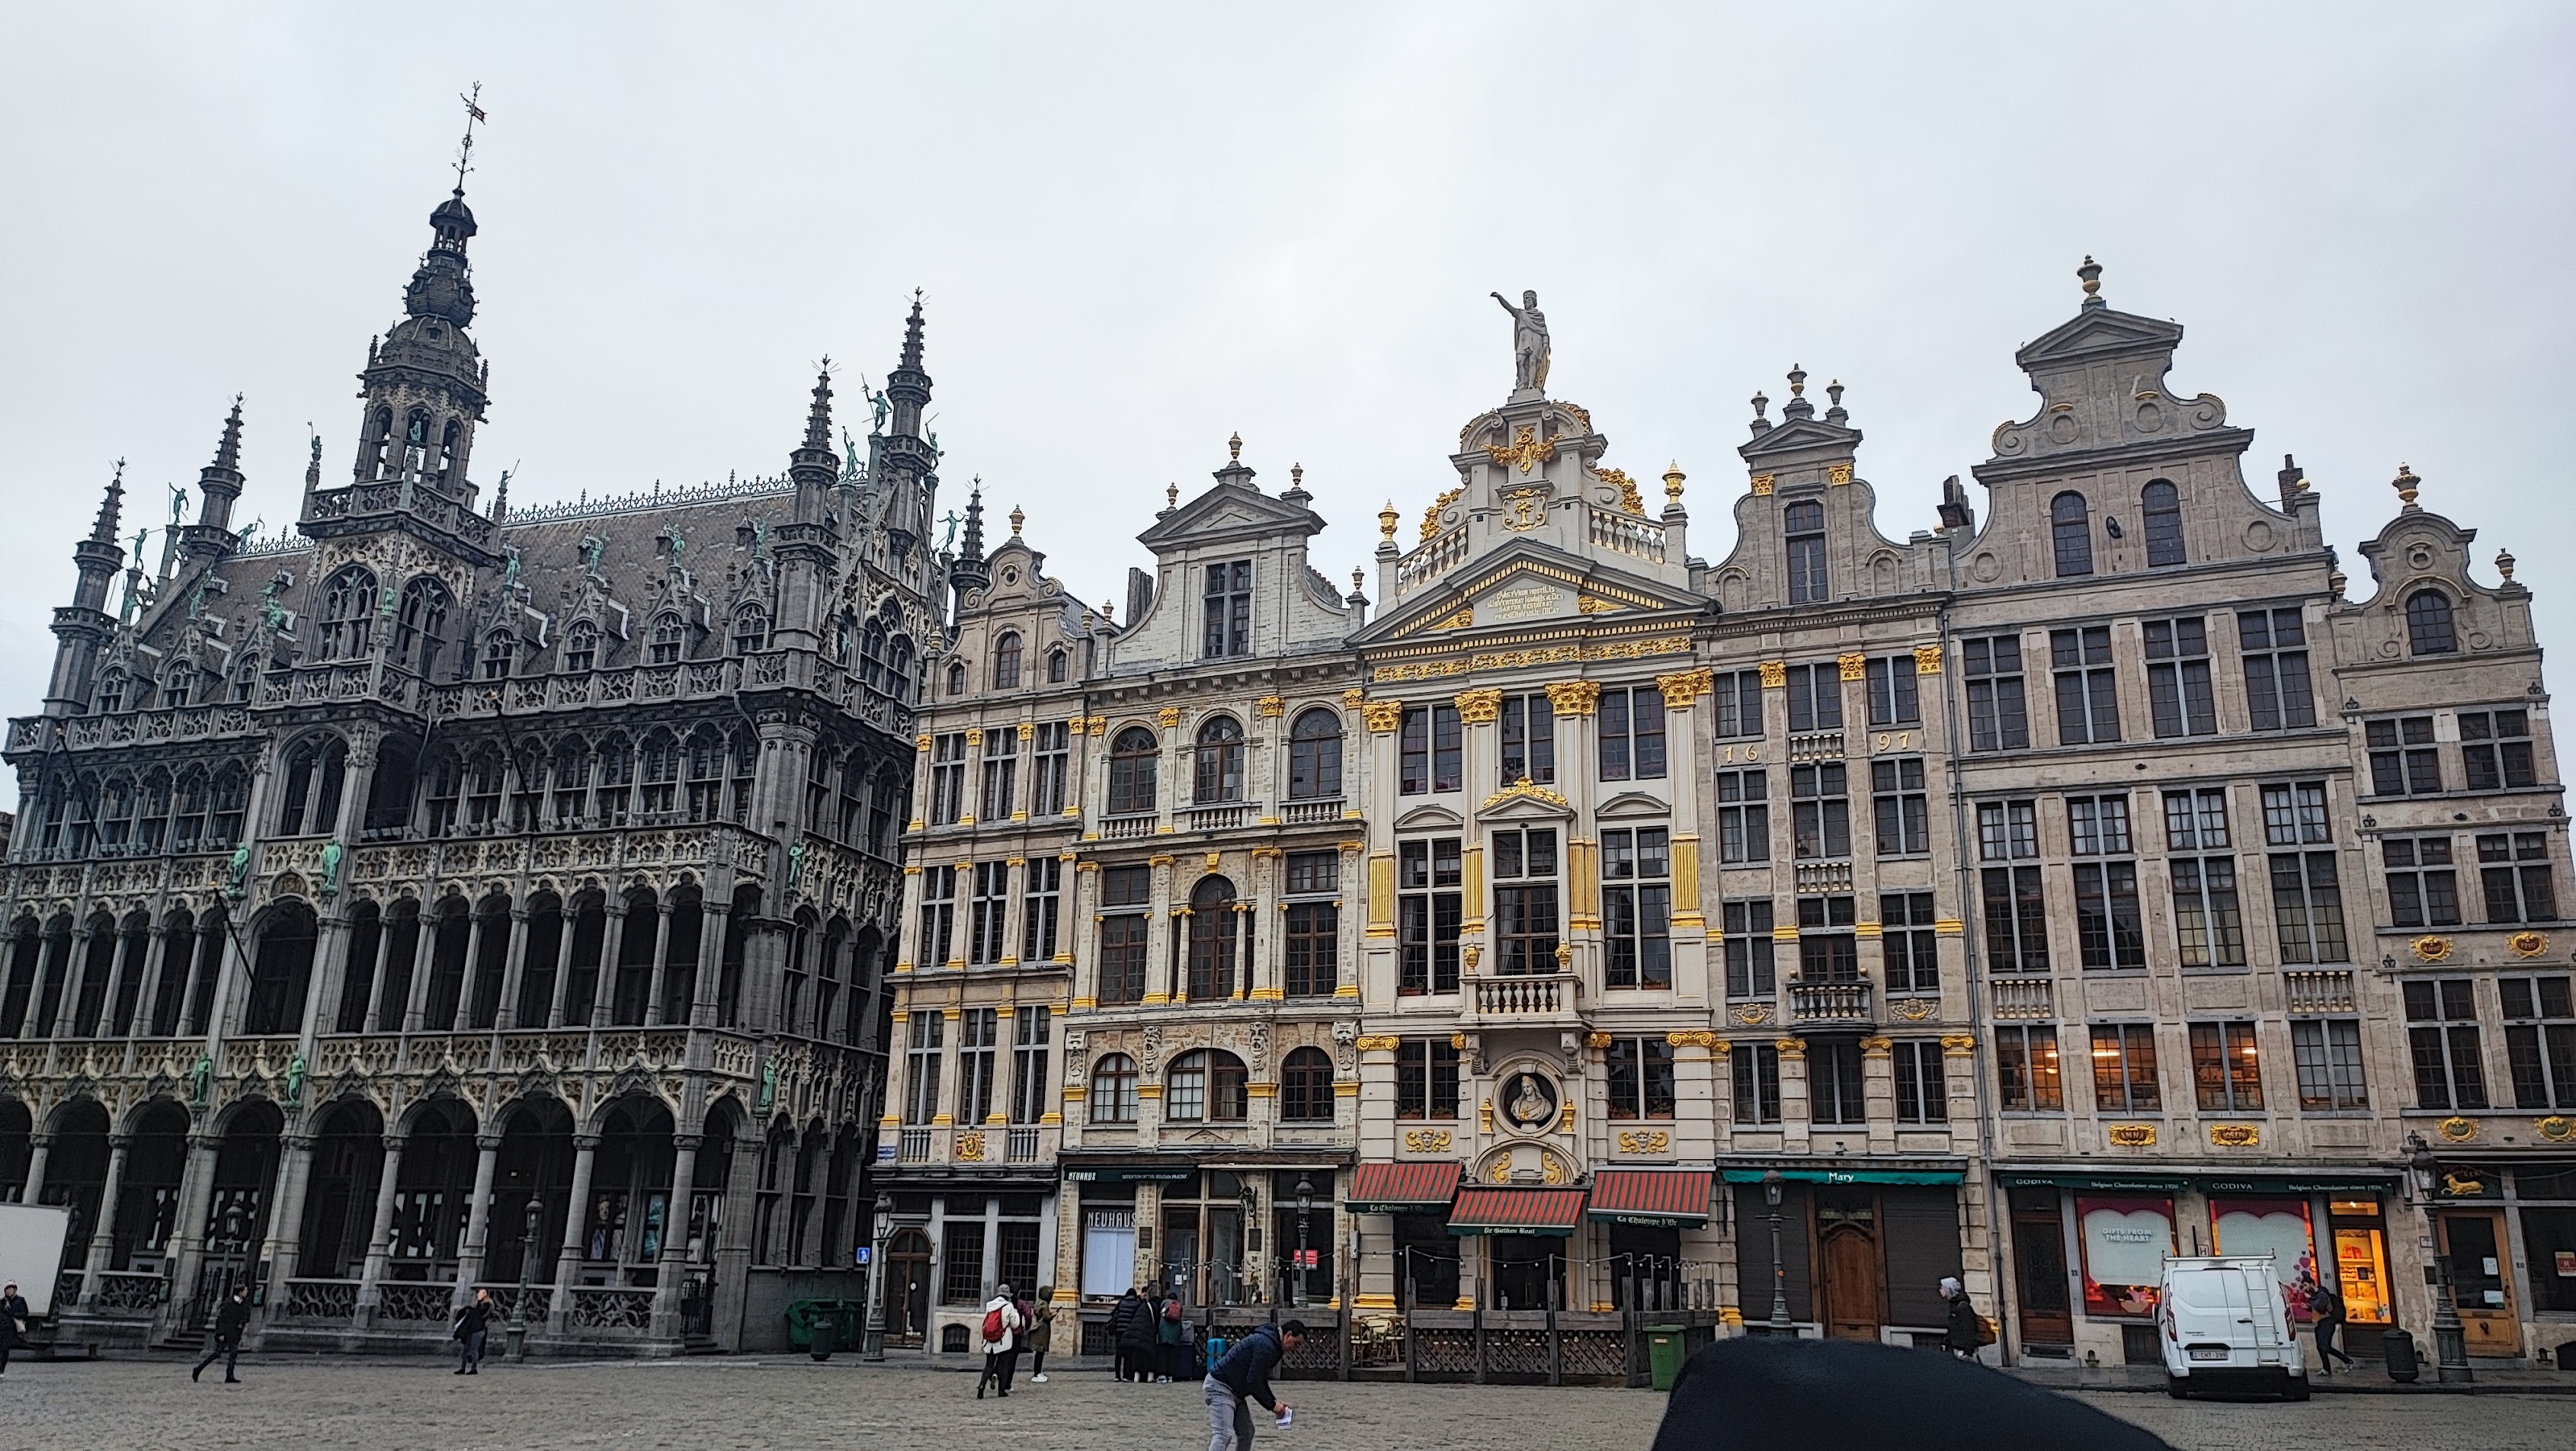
x: 2327, y: 990
x: 1536, y: 1000
x: 1830, y: 1004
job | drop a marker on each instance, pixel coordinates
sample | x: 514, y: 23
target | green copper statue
x: 201, y: 1081
x: 295, y: 1079
x: 237, y: 872
x: 331, y: 853
x: 795, y: 868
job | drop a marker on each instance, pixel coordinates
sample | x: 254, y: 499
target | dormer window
x: 581, y: 646
x: 1006, y: 661
x: 1804, y: 526
x: 2428, y: 624
x: 1226, y: 609
x: 956, y: 678
x: 500, y: 648
x: 750, y: 630
x: 664, y: 647
x: 1057, y: 665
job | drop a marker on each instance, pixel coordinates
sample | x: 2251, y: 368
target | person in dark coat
x: 1964, y: 1332
x: 1243, y: 1377
x: 473, y: 1330
x: 1171, y: 1338
x: 13, y: 1318
x: 1131, y: 1329
x: 1758, y: 1391
x: 2327, y: 1307
x: 230, y: 1321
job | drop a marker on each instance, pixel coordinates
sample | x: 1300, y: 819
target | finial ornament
x: 1673, y: 477
x: 2504, y: 563
x: 1017, y: 519
x: 1171, y: 496
x: 1234, y: 449
x: 2405, y: 485
x: 2091, y: 272
x: 1797, y: 381
x: 2335, y: 582
x: 1355, y: 578
x: 1386, y: 519
x: 465, y: 148
x: 1834, y: 392
x: 1760, y: 402
x: 1296, y: 476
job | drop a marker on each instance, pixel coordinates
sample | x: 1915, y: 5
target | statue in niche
x: 1529, y: 342
x: 1529, y: 1102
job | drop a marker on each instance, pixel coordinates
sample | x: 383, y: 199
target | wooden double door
x: 907, y: 1288
x: 1851, y: 1264
x: 2482, y: 1278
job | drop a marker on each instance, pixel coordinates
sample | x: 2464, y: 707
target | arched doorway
x: 535, y: 1162
x: 907, y: 1288
x: 630, y: 1195
x: 237, y: 1209
x: 147, y: 1202
x: 76, y: 1171
x: 436, y: 1178
x: 339, y: 1208
x: 17, y: 1146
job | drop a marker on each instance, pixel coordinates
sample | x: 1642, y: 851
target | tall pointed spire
x: 818, y: 419
x: 813, y: 464
x: 219, y: 484
x: 906, y: 468
x: 912, y: 335
x: 228, y: 448
x: 82, y: 630
x: 972, y: 546
x: 110, y: 508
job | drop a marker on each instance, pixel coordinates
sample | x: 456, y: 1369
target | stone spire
x: 219, y: 484
x: 110, y: 509
x: 910, y: 485
x: 814, y: 464
x: 81, y: 630
x: 969, y: 571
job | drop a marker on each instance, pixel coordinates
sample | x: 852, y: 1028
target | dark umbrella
x: 1855, y: 1396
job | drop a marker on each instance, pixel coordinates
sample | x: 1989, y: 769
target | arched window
x: 581, y: 646
x: 152, y: 812
x: 1803, y: 524
x: 1215, y: 930
x: 311, y: 801
x: 1131, y: 771
x: 188, y: 814
x: 956, y: 678
x: 416, y: 443
x: 179, y: 685
x: 614, y: 794
x: 111, y: 692
x: 231, y: 800
x: 706, y: 773
x: 2161, y: 507
x: 485, y: 775
x: 2428, y: 623
x: 1113, y: 1089
x: 380, y: 437
x: 872, y: 658
x: 347, y: 627
x: 750, y: 630
x: 420, y: 631
x: 115, y: 815
x: 660, y: 769
x: 280, y: 968
x: 245, y: 681
x: 668, y: 635
x: 1205, y: 1086
x: 570, y: 778
x: 742, y: 752
x: 1315, y: 756
x: 1217, y: 773
x: 1006, y: 661
x: 1058, y: 663
x: 902, y: 679
x: 444, y: 783
x: 448, y: 439
x: 2071, y: 534
x: 500, y: 648
x: 1306, y: 1087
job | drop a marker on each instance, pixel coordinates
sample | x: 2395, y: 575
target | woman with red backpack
x: 1002, y: 1325
x: 1171, y: 1341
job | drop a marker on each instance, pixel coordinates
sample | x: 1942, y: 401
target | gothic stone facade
x: 439, y: 888
x: 2036, y: 896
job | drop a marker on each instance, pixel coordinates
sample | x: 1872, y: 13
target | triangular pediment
x: 1524, y: 582
x: 1228, y: 511
x: 2099, y: 333
x: 1803, y: 435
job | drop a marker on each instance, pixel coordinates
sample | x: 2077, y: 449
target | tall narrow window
x: 1642, y: 1078
x: 1909, y: 942
x: 1900, y: 805
x: 581, y: 646
x: 1113, y: 1089
x: 1637, y: 906
x: 1757, y: 1083
x: 750, y: 630
x: 2277, y: 694
x: 2026, y: 1068
x: 1215, y: 936
x: 1315, y: 756
x: 1528, y: 739
x: 1834, y: 1082
x: 1131, y: 772
x: 1125, y: 895
x: 1525, y: 902
x: 1313, y: 923
x: 1804, y: 526
x: 1894, y: 695
x: 921, y: 1068
x: 1998, y: 718
x: 1217, y: 765
x: 347, y: 628
x: 1050, y: 767
x: 2442, y: 1035
x: 1225, y: 603
x: 1030, y: 1029
x: 1428, y: 750
x: 2070, y: 534
x: 1815, y: 698
x: 1001, y: 774
x: 2088, y: 692
x: 2179, y: 702
x: 978, y: 1036
x: 1631, y: 729
x: 2226, y: 1068
x: 1006, y: 661
x: 938, y: 914
x: 1746, y: 926
x: 2540, y: 1040
x: 1306, y: 1087
x: 1040, y: 907
x: 1428, y: 908
x: 1922, y: 1085
x: 2327, y: 1054
x: 1743, y: 817
x: 420, y: 630
x: 1820, y: 810
x: 948, y: 777
x: 1735, y: 705
x: 2160, y: 507
x: 663, y: 648
x: 2124, y: 1068
x: 2428, y: 623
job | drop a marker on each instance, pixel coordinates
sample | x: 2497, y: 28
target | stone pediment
x: 1429, y: 818
x: 1228, y: 511
x: 1803, y: 435
x: 2099, y: 333
x: 1522, y: 583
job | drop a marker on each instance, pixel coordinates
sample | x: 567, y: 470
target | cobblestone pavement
x: 783, y: 1402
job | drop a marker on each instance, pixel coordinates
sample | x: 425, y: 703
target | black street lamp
x: 1305, y: 1207
x: 1780, y: 1322
x: 873, y: 1348
x: 2450, y: 1339
x: 519, y: 1307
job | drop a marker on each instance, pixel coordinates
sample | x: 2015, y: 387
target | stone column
x: 1015, y: 894
x: 563, y: 967
x: 196, y: 1191
x: 376, y: 971
x: 514, y: 970
x: 1794, y: 1119
x: 473, y: 968
x: 675, y: 1238
x: 380, y: 1238
x: 154, y: 964
x: 478, y: 1219
x: 1082, y: 943
x: 286, y: 1222
x: 733, y: 1252
x: 576, y: 1225
x: 712, y: 917
x: 1692, y: 969
x: 612, y: 942
x: 920, y: 780
x: 424, y: 961
x: 116, y: 980
x: 656, y: 982
x: 1268, y: 930
x: 75, y: 981
x: 321, y: 985
x: 40, y: 1147
x: 103, y: 1242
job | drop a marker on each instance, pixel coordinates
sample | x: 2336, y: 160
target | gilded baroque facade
x: 439, y: 896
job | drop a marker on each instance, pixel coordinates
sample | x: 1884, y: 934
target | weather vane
x: 465, y: 149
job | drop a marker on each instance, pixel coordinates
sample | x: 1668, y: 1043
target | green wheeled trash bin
x: 800, y: 1322
x: 1665, y: 1353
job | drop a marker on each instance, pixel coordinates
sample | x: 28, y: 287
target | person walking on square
x: 1002, y: 1324
x: 13, y: 1322
x: 1171, y: 1339
x: 1131, y: 1331
x: 231, y: 1319
x: 2327, y: 1307
x: 1041, y: 1328
x: 1243, y: 1377
x: 473, y: 1328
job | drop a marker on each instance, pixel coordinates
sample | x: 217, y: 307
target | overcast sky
x: 1142, y: 228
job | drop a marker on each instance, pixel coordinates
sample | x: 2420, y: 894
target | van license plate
x: 2209, y: 1352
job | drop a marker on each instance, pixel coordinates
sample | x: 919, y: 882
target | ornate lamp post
x: 519, y: 1307
x: 873, y: 1348
x: 1305, y: 1212
x: 2450, y: 1340
x: 1780, y: 1321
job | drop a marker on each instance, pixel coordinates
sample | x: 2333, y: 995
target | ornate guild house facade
x: 442, y: 897
x: 663, y: 900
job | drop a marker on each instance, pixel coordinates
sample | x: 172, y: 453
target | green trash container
x: 853, y: 1318
x: 1664, y: 1353
x: 800, y: 1321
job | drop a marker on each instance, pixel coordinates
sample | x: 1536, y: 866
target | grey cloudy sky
x: 1142, y: 228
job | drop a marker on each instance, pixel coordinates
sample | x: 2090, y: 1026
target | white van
x: 2227, y: 1326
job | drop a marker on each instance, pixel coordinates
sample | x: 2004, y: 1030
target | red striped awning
x: 1483, y: 1209
x: 1651, y: 1196
x: 1403, y: 1188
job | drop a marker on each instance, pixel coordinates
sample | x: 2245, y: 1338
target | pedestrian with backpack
x: 1041, y: 1330
x: 2327, y: 1307
x: 1131, y: 1329
x: 1002, y: 1325
x: 1171, y: 1341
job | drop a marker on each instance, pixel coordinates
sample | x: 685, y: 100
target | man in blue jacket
x: 1243, y: 1377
